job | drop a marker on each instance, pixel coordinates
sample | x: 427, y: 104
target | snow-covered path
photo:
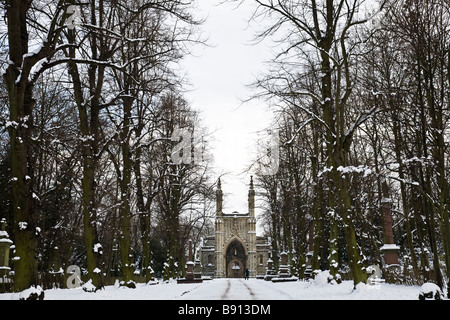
x: 238, y: 289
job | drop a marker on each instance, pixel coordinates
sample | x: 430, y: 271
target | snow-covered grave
x: 239, y: 289
x: 430, y: 291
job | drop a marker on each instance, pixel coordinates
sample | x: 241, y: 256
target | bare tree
x: 325, y: 34
x: 34, y: 41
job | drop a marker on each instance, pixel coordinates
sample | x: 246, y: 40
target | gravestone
x: 270, y: 273
x: 309, y: 255
x: 197, y: 269
x: 284, y: 274
x: 391, y: 266
x: 308, y: 271
x: 190, y: 277
x: 430, y: 291
x: 389, y: 249
x: 55, y: 277
x: 5, y: 244
x: 283, y: 271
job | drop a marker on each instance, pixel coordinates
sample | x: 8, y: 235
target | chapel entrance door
x: 235, y: 269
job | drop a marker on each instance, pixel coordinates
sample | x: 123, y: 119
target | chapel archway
x: 236, y: 259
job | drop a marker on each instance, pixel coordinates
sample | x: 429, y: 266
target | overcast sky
x: 220, y: 75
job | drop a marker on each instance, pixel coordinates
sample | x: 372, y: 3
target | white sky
x: 220, y: 76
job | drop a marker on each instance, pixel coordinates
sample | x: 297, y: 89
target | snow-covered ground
x: 238, y: 289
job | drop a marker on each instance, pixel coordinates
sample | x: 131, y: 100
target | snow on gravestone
x: 89, y: 286
x: 430, y: 291
x: 32, y: 293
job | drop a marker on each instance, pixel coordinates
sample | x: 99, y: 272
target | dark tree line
x: 91, y: 97
x: 362, y: 108
x: 93, y: 121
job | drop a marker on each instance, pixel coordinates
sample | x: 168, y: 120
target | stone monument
x: 197, y: 269
x: 389, y: 249
x: 283, y: 271
x: 270, y: 273
x: 190, y: 277
x: 5, y: 244
x: 284, y: 274
x: 391, y: 266
x: 309, y: 255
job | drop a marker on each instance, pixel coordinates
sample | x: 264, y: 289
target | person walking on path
x: 246, y: 274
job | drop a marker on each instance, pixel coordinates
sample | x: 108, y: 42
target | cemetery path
x: 253, y: 289
x: 236, y: 289
x: 225, y: 294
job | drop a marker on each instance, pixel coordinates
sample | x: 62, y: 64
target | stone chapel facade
x: 235, y: 245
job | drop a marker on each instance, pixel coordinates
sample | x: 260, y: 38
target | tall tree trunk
x: 89, y: 126
x: 125, y: 194
x: 318, y: 200
x: 353, y: 254
x: 333, y: 256
x: 399, y: 144
x: 143, y: 213
x: 20, y: 132
x: 275, y: 238
x: 337, y: 149
x: 425, y: 181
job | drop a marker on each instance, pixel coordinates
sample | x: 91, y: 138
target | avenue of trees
x: 104, y: 165
x: 91, y: 102
x: 361, y: 91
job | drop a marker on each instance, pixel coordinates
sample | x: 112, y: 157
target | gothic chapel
x: 235, y: 246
